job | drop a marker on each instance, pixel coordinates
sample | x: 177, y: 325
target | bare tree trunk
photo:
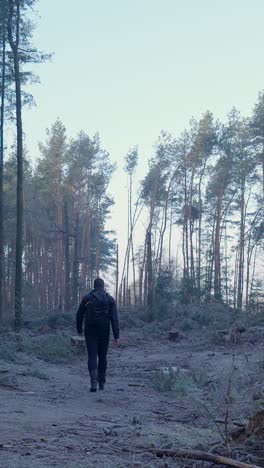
x: 14, y: 44
x: 199, y: 238
x: 191, y: 230
x: 124, y: 292
x: 186, y: 237
x: 149, y: 269
x: 128, y: 239
x: 253, y: 273
x: 170, y: 237
x: 226, y: 267
x: 211, y: 261
x: 117, y: 273
x: 165, y: 223
x: 235, y: 279
x: 140, y: 285
x: 241, y: 248
x: 75, y: 272
x: 132, y: 242
x: 217, y: 255
x: 1, y: 172
x: 67, y: 296
x: 97, y: 241
x: 59, y: 241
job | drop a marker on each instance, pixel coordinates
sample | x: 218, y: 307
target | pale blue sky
x: 129, y: 69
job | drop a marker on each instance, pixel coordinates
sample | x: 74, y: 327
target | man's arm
x: 80, y: 315
x: 114, y: 319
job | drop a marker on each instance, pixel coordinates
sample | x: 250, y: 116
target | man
x: 98, y: 310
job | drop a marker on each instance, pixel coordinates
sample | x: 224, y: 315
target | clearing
x: 49, y: 418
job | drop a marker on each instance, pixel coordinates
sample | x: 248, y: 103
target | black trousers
x: 97, y: 343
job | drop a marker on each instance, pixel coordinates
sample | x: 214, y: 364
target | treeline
x: 65, y: 244
x: 204, y: 196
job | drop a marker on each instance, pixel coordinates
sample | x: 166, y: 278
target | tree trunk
x: 165, y: 223
x: 217, y: 255
x: 97, y: 240
x: 1, y: 173
x: 132, y: 243
x: 75, y: 272
x: 128, y: 239
x: 140, y: 286
x: 186, y: 237
x: 67, y: 295
x: 149, y: 270
x: 191, y: 231
x: 170, y: 236
x: 14, y: 44
x: 241, y: 248
x: 117, y: 273
x: 59, y: 247
x: 199, y: 238
x: 253, y: 273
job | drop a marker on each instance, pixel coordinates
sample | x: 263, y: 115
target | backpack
x: 96, y: 310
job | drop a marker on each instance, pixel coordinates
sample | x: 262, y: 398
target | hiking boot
x: 93, y: 376
x: 101, y: 385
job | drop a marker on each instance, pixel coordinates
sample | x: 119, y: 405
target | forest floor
x: 49, y: 418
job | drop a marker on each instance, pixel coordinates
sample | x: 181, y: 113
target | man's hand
x: 116, y: 342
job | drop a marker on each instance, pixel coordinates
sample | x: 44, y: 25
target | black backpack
x: 97, y: 309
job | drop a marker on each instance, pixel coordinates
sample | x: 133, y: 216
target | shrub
x: 51, y: 348
x: 8, y: 351
x: 166, y: 380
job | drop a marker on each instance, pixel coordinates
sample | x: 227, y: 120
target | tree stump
x: 173, y: 335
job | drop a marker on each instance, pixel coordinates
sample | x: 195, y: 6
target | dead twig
x: 235, y: 423
x: 136, y: 385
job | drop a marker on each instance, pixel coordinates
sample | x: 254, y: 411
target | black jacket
x: 97, y: 309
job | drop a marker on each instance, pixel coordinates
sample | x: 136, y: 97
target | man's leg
x: 92, y: 351
x: 102, y: 360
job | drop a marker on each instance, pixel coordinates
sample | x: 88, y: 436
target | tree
x: 3, y: 34
x: 19, y: 31
x: 131, y: 161
x: 257, y: 126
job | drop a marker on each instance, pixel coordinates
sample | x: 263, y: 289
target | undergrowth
x: 165, y: 380
x: 50, y: 348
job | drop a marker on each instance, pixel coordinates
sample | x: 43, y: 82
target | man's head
x: 98, y: 283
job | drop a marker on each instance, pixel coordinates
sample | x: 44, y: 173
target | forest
x: 201, y: 199
x: 199, y: 263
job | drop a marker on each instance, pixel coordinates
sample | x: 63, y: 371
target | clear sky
x: 129, y: 69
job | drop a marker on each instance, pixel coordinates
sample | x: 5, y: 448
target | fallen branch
x: 235, y: 423
x: 136, y: 385
x: 195, y: 455
x: 218, y: 459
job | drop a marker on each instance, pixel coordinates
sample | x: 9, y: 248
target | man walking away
x: 98, y: 310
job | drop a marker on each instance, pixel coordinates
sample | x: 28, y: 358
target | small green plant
x: 200, y: 377
x: 168, y: 379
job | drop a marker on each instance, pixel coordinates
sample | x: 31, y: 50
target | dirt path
x: 57, y: 422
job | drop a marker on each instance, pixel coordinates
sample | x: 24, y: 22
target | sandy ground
x: 57, y: 422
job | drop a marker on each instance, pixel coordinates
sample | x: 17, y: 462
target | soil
x: 49, y: 417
